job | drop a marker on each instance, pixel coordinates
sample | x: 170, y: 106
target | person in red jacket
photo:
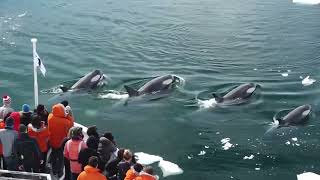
x: 91, y: 171
x: 2, y: 126
x: 59, y: 123
x: 16, y: 117
x: 40, y: 132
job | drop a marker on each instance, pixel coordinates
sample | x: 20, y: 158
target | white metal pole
x: 35, y: 74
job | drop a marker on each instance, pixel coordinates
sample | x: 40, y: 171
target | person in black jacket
x: 125, y: 164
x: 27, y: 151
x: 112, y: 166
x: 86, y: 153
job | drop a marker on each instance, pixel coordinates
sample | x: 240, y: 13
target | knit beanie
x: 25, y: 108
x: 92, y: 142
x: 6, y: 100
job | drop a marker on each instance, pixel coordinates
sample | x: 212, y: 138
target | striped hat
x: 6, y: 100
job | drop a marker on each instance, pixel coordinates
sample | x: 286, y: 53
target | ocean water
x: 213, y: 45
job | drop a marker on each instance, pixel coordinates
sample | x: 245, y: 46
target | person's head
x: 137, y: 168
x: 77, y: 134
x: 127, y: 155
x: 6, y: 100
x: 65, y: 103
x: 93, y: 161
x: 22, y: 128
x: 148, y: 169
x: 92, y: 142
x: 25, y: 108
x: 93, y: 131
x: 35, y: 121
x: 40, y: 109
x: 9, y: 123
x: 109, y: 136
x: 70, y: 132
x: 120, y: 153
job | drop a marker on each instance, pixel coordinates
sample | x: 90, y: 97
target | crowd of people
x: 27, y: 137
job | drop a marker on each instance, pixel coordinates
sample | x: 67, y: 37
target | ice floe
x: 308, y: 176
x: 249, y: 157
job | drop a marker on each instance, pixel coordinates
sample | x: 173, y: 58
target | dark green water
x: 214, y: 45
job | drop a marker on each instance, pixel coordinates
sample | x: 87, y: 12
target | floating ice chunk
x: 288, y: 70
x: 257, y: 169
x: 146, y: 159
x: 23, y: 14
x: 189, y: 157
x: 249, y: 157
x: 294, y: 139
x: 284, y: 74
x: 169, y: 168
x: 200, y: 133
x: 217, y: 133
x: 206, y: 147
x: 308, y: 176
x: 307, y: 82
x: 310, y: 2
x: 288, y: 143
x: 255, y: 69
x: 202, y: 153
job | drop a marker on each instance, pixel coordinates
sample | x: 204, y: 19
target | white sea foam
x: 307, y: 81
x: 310, y: 2
x: 308, y: 176
x: 201, y: 153
x: 207, y: 103
x: 226, y: 144
x: 284, y: 74
x: 249, y: 157
x: 114, y: 96
x: 294, y: 139
x: 23, y: 14
x: 169, y: 168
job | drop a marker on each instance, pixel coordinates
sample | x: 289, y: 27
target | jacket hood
x: 90, y: 169
x: 15, y: 116
x: 58, y: 110
x: 105, y: 148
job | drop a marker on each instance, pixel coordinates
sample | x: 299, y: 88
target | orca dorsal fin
x: 63, y: 88
x: 217, y: 98
x: 131, y: 91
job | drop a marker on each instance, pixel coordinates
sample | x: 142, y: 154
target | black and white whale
x: 237, y: 95
x: 90, y: 81
x: 297, y: 116
x: 161, y: 84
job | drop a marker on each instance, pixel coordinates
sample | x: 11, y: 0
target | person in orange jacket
x: 91, y: 171
x: 147, y: 174
x: 59, y: 123
x: 40, y: 132
x: 133, y: 172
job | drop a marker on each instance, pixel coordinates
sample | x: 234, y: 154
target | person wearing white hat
x: 6, y: 108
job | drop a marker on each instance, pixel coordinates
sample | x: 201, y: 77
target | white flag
x: 38, y: 63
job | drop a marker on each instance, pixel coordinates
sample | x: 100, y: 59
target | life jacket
x: 58, y: 125
x: 71, y: 152
x: 41, y: 135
